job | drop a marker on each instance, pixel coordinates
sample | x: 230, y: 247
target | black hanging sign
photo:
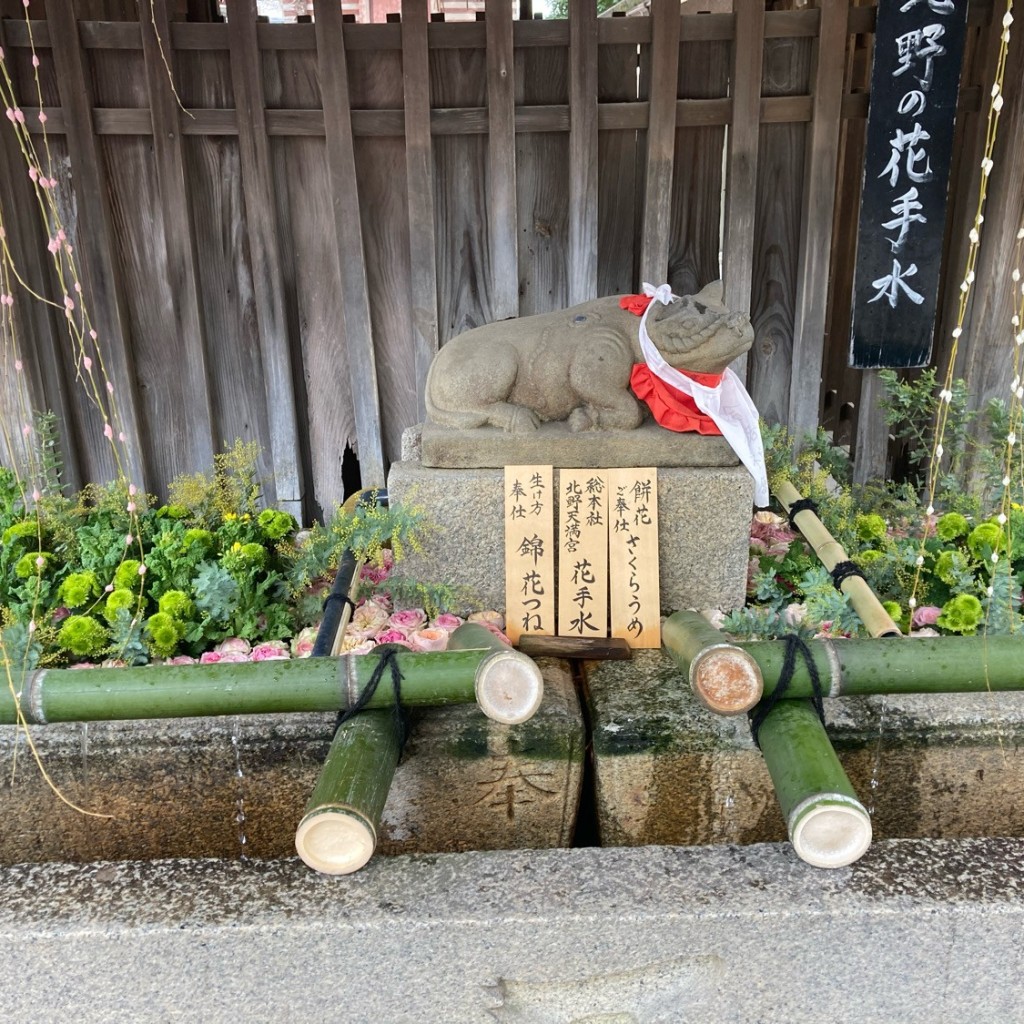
x: 915, y: 79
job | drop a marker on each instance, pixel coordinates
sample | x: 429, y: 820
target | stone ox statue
x: 575, y: 364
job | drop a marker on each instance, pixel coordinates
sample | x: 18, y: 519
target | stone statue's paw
x: 523, y: 420
x: 580, y: 419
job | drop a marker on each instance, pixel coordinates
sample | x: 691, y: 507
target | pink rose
x: 180, y: 659
x: 216, y: 658
x: 302, y: 643
x: 496, y: 631
x: 408, y: 620
x: 362, y: 648
x: 392, y: 636
x: 429, y: 639
x: 488, y: 616
x: 447, y: 622
x: 369, y: 617
x: 270, y: 650
x: 233, y: 645
x: 794, y: 614
x: 926, y: 616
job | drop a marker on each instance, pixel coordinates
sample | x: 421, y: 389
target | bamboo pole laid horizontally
x: 272, y: 687
x: 828, y: 826
x: 877, y: 621
x: 732, y: 677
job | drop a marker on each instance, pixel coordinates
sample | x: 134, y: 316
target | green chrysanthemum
x: 961, y: 614
x: 25, y: 530
x: 163, y: 634
x: 870, y: 527
x: 275, y: 523
x: 177, y: 604
x: 951, y: 526
x: 127, y: 575
x: 119, y: 599
x: 79, y: 588
x: 83, y: 635
x: 985, y: 539
x: 33, y: 564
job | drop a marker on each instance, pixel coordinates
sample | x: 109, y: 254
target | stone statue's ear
x: 712, y: 295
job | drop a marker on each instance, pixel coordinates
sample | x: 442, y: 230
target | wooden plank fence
x: 279, y: 257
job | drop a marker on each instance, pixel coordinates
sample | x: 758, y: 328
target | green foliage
x: 433, y: 598
x: 47, y: 452
x: 126, y: 639
x: 233, y: 489
x: 216, y: 592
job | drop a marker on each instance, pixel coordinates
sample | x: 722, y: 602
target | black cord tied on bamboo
x: 342, y: 599
x: 843, y: 571
x: 387, y: 659
x: 801, y: 505
x: 794, y: 645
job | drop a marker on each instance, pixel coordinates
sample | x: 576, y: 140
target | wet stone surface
x: 237, y: 787
x: 669, y: 771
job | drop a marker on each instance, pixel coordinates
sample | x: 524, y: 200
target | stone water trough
x: 695, y: 908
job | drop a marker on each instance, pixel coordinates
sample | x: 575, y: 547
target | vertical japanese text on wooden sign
x: 582, y: 552
x: 633, y: 556
x: 529, y: 510
x: 915, y: 80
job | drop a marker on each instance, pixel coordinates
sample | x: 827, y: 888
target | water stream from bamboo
x: 240, y: 799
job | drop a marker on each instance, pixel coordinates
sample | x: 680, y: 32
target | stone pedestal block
x: 703, y: 528
x: 669, y: 771
x: 198, y: 787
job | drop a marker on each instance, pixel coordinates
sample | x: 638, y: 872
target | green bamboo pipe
x: 338, y: 832
x: 457, y: 676
x: 731, y: 677
x: 828, y: 826
x: 877, y: 621
x: 510, y: 686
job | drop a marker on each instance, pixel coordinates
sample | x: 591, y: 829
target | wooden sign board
x: 529, y: 511
x: 582, y: 553
x: 915, y: 79
x: 633, y: 556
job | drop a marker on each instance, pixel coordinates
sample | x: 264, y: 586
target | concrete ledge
x: 924, y: 930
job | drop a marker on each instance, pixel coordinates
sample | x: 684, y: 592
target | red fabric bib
x: 669, y: 406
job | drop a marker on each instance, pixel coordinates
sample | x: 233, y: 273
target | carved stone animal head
x: 698, y: 333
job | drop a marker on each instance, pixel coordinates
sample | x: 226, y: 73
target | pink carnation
x: 429, y: 639
x: 180, y: 659
x: 302, y: 643
x: 408, y: 619
x: 233, y: 645
x: 927, y: 615
x: 270, y: 650
x: 447, y: 622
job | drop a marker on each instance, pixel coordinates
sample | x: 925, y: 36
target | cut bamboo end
x: 830, y: 830
x: 509, y: 687
x: 335, y: 840
x: 726, y: 680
